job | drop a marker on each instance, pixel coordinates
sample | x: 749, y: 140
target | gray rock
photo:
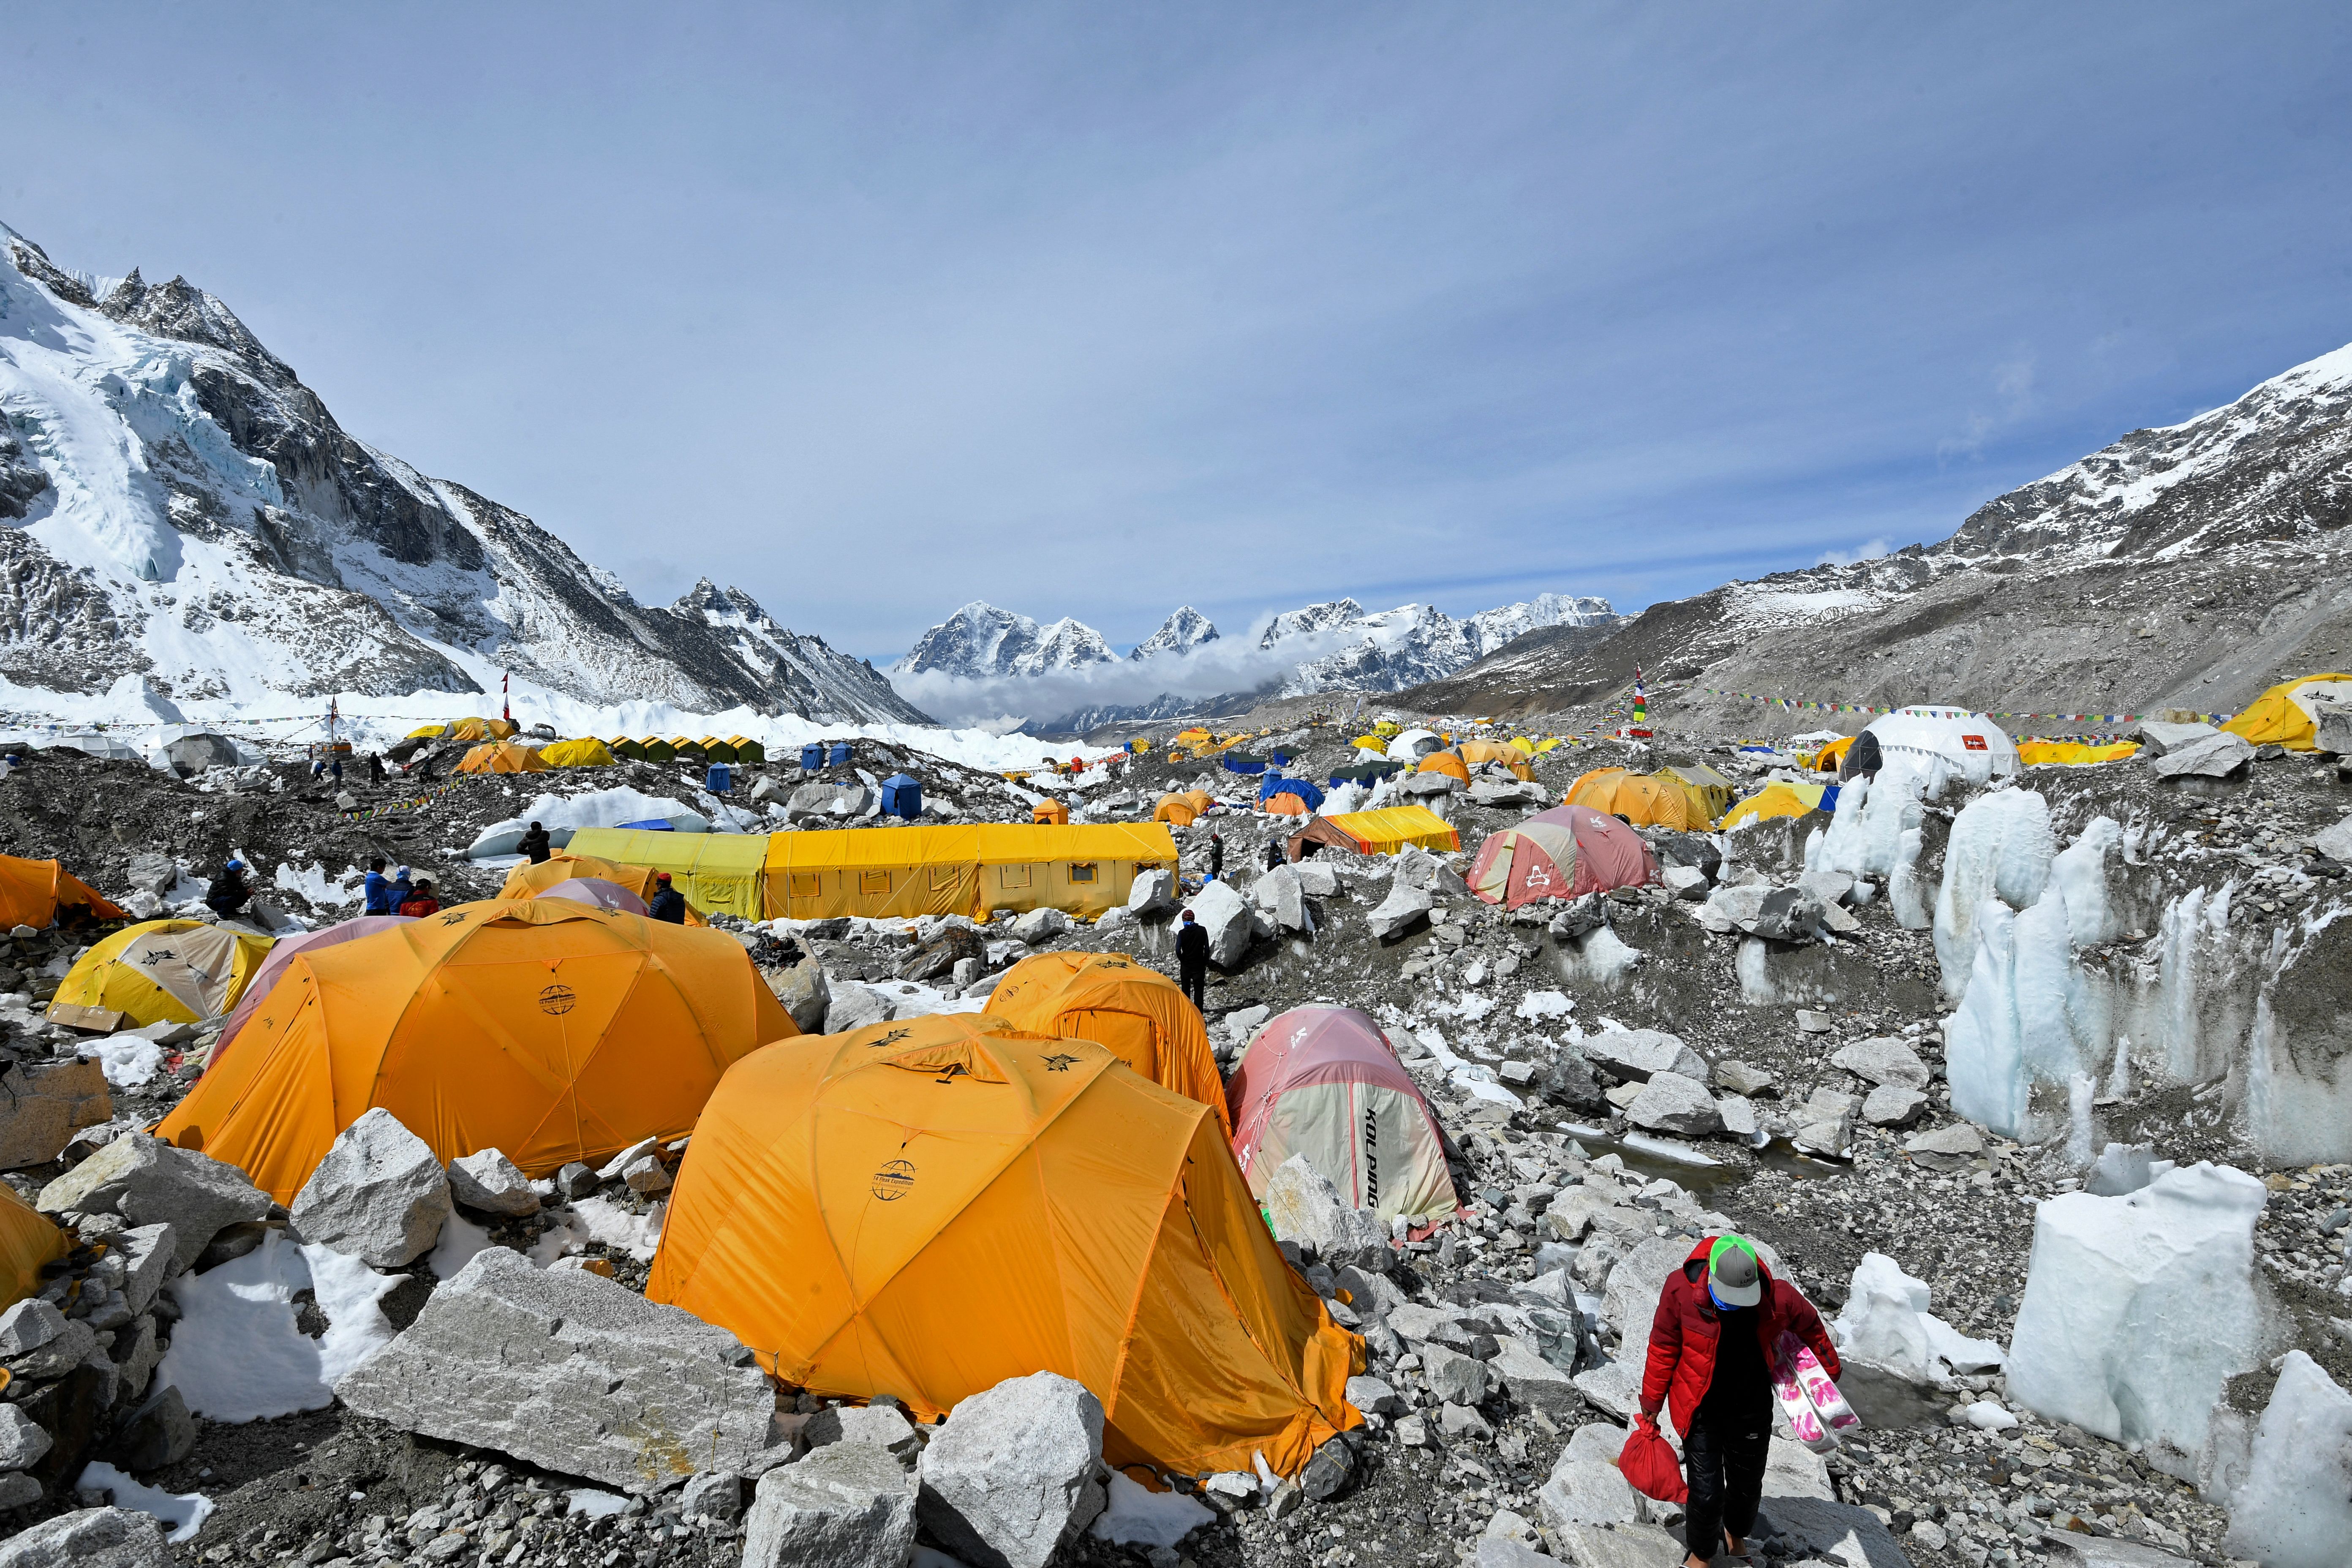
x: 821, y: 799
x: 1959, y: 1140
x: 1504, y: 1551
x: 23, y: 1440
x: 1039, y: 927
x: 571, y: 1372
x: 160, y: 1433
x: 1280, y: 894
x: 1787, y: 914
x: 1739, y: 1113
x: 1013, y: 1471
x: 136, y: 1352
x: 2216, y: 756
x: 1404, y: 907
x: 1741, y: 1078
x: 846, y: 1506
x: 1893, y: 1105
x: 1686, y: 882
x: 18, y: 1490
x: 2157, y: 737
x: 1585, y: 1486
x: 491, y: 1183
x: 1694, y: 850
x: 2068, y: 1550
x: 1810, y: 1022
x: 92, y: 1538
x: 1496, y: 792
x: 150, y: 1255
x: 1427, y: 786
x: 36, y: 1340
x: 1881, y: 1059
x: 2336, y: 842
x: 1371, y: 1396
x: 1456, y: 1378
x: 2332, y: 727
x: 804, y: 994
x: 715, y: 1496
x: 879, y: 1427
x: 1670, y: 1103
x: 1635, y: 1054
x: 1303, y: 1206
x: 1825, y: 1122
x: 1828, y: 887
x: 854, y: 1006
x: 148, y: 1182
x: 1318, y: 879
x: 1225, y: 920
x: 1615, y: 1386
x: 576, y: 1181
x: 1529, y: 1379
x: 1152, y: 894
x: 151, y: 873
x: 646, y: 1175
x: 1567, y: 1080
x: 1630, y: 1298
x: 1582, y: 917
x: 44, y: 1104
x: 1458, y: 1423
x: 1618, y: 1546
x: 380, y: 1194
x: 1330, y: 1473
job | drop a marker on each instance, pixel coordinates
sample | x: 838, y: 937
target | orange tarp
x: 31, y: 892
x: 501, y: 757
x: 1130, y: 1009
x: 528, y: 881
x: 553, y: 1030
x: 922, y: 1209
x: 27, y: 1240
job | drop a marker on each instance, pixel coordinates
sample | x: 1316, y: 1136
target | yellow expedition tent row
x: 894, y: 873
x: 707, y: 749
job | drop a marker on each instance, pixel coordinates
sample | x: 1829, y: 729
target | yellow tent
x: 1775, y: 799
x: 1489, y: 751
x: 479, y: 730
x: 718, y: 873
x: 1831, y: 757
x: 2283, y: 716
x: 1386, y: 831
x: 553, y: 1030
x: 1134, y: 1012
x: 1081, y: 870
x: 427, y: 732
x: 893, y: 873
x: 1444, y: 763
x: 1182, y: 809
x: 35, y: 893
x: 27, y: 1240
x: 1369, y: 743
x: 1713, y: 792
x: 2072, y: 753
x: 528, y: 880
x: 501, y: 757
x: 1051, y: 811
x: 1545, y: 745
x: 1646, y: 800
x: 179, y: 971
x: 920, y: 1210
x: 581, y: 754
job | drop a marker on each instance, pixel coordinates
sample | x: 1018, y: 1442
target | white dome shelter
x: 1965, y: 742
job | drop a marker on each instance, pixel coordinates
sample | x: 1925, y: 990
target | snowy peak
x: 981, y: 641
x: 1181, y: 633
x: 1313, y: 619
x: 1490, y: 629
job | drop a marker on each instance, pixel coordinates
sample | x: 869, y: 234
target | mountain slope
x: 980, y: 642
x: 1185, y: 629
x: 2183, y: 567
x: 181, y: 507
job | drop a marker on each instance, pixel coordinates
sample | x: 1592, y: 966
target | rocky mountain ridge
x: 182, y: 507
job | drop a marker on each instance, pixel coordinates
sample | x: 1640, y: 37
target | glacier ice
x: 2294, y: 1508
x: 2137, y: 1309
x: 2000, y: 849
x: 1885, y: 1322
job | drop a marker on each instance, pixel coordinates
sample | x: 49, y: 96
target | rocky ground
x: 1617, y: 1078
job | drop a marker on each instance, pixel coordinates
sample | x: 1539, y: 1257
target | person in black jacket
x: 1192, y: 961
x: 1274, y: 857
x: 1216, y: 855
x: 535, y: 845
x: 229, y: 893
x: 668, y: 903
x: 375, y: 767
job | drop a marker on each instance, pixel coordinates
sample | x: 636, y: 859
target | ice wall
x: 2299, y: 1061
x: 1865, y: 832
x: 2295, y: 1508
x: 2137, y: 1309
x: 2000, y: 849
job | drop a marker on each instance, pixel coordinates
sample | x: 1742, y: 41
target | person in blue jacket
x: 378, y: 891
x: 401, y: 889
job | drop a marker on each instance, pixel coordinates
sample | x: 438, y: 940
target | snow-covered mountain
x: 1392, y: 650
x: 1490, y: 629
x: 1184, y: 630
x: 1314, y: 618
x: 181, y: 507
x: 980, y: 642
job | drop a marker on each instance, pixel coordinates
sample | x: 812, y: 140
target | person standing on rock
x: 1193, y: 961
x: 668, y: 903
x: 375, y: 767
x: 535, y: 845
x: 1274, y: 856
x: 1712, y: 1343
x: 1217, y: 856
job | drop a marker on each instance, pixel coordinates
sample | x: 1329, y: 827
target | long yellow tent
x: 1389, y: 830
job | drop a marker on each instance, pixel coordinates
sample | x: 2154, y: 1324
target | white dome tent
x: 1964, y: 741
x: 1414, y: 745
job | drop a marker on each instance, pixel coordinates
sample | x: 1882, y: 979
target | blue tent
x: 812, y: 756
x: 1277, y: 784
x: 1278, y: 757
x: 840, y: 757
x: 902, y: 795
x: 1243, y: 762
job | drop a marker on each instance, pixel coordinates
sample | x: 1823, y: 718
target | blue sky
x: 1093, y: 309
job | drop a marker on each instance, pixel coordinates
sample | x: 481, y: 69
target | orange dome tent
x: 1182, y: 809
x: 1136, y: 1013
x: 528, y: 881
x: 2285, y: 715
x: 38, y: 892
x: 502, y: 757
x: 1444, y: 763
x: 553, y: 1030
x: 921, y: 1209
x: 1646, y: 800
x: 1831, y: 757
x: 27, y: 1240
x: 1051, y: 811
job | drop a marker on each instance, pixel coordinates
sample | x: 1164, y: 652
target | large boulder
x: 2220, y: 755
x: 44, y: 1104
x: 150, y: 1255
x: 1585, y: 1486
x: 148, y: 1182
x: 1883, y: 1060
x: 846, y: 1506
x: 828, y: 800
x: 803, y: 991
x: 1825, y: 1123
x: 1152, y: 895
x: 1636, y: 1054
x: 380, y: 1194
x: 853, y: 1007
x: 1531, y: 1381
x: 1039, y: 927
x: 92, y: 1538
x: 1317, y: 878
x: 1671, y: 1103
x: 1630, y: 1298
x: 1406, y: 907
x: 570, y: 1371
x: 492, y: 1184
x: 1014, y: 1472
x: 36, y: 1340
x: 2336, y: 842
x: 1226, y: 921
x: 2157, y: 736
x: 1303, y: 1206
x: 1281, y: 894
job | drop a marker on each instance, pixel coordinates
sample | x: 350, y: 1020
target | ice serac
x: 188, y: 513
x: 2137, y: 1309
x: 2294, y: 1510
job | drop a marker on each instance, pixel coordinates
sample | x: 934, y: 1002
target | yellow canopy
x: 27, y: 1240
x: 551, y: 1030
x: 1831, y: 757
x: 1775, y: 799
x: 501, y: 757
x: 1386, y: 831
x: 586, y: 753
x: 1133, y: 1010
x: 427, y: 732
x: 922, y: 1209
x: 528, y: 880
x: 178, y: 972
x: 1444, y: 763
x: 2072, y: 753
x: 718, y: 873
x: 2283, y: 716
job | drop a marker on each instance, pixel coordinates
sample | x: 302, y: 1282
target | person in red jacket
x: 1711, y: 1352
x: 421, y: 902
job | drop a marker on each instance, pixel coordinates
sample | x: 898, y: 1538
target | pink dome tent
x: 596, y: 890
x: 1563, y: 853
x: 1324, y: 1082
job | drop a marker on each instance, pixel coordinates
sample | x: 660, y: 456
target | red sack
x: 1649, y: 1463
